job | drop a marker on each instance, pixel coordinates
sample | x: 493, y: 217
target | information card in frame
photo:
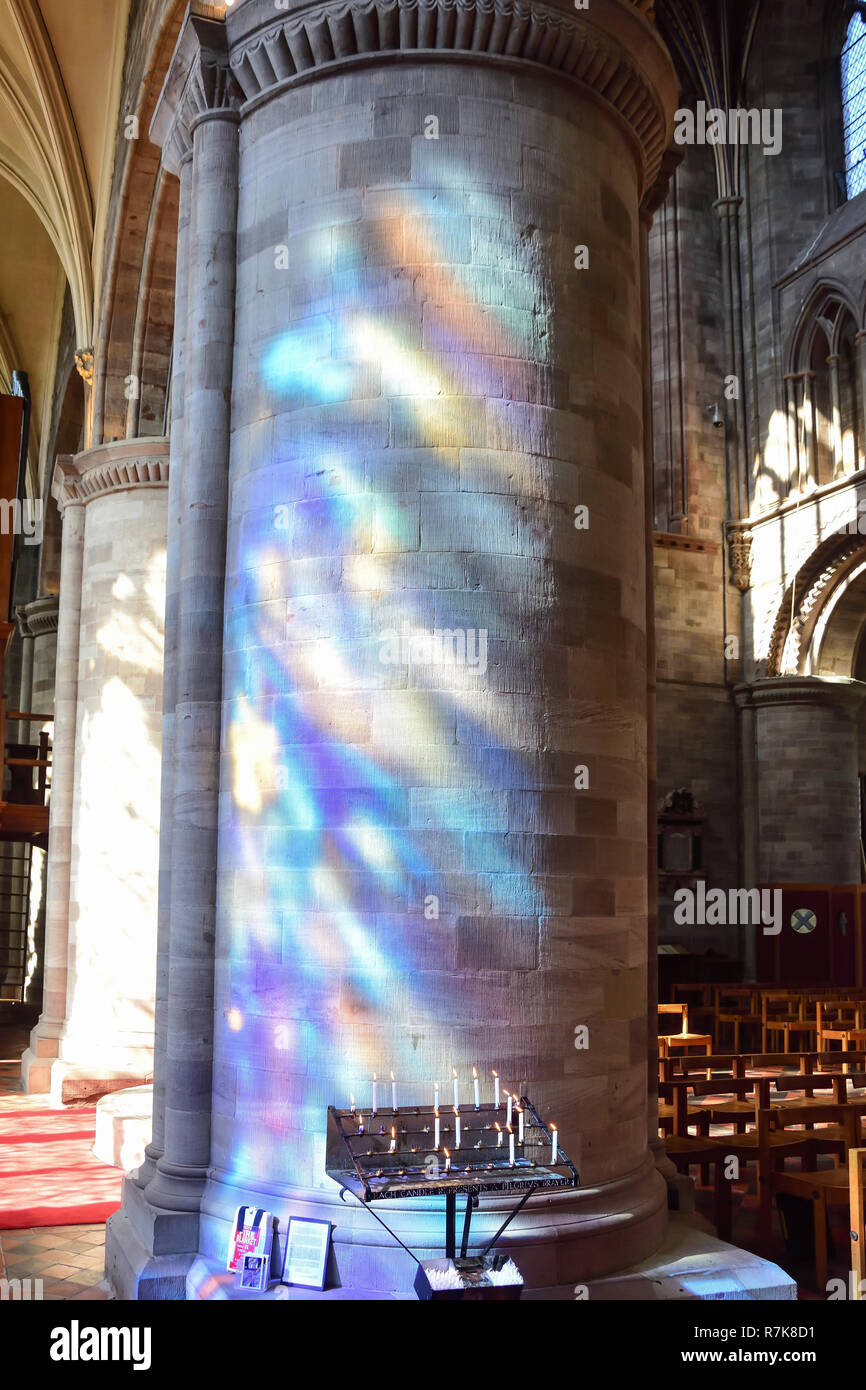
x: 307, y: 1246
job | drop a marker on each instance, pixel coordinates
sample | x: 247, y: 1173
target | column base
x: 149, y: 1251
x: 560, y: 1237
x: 38, y: 1059
x: 124, y: 1121
x: 71, y: 1083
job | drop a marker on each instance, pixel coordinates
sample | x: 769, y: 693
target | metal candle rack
x: 361, y: 1161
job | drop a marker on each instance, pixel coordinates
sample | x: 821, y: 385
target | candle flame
x: 475, y: 1072
x: 454, y: 1072
x: 554, y: 1126
x: 497, y: 1126
x: 374, y: 1076
x: 392, y: 1076
x: 456, y: 1111
x: 494, y: 1073
x: 393, y: 1132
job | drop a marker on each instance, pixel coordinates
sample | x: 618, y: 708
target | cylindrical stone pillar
x: 181, y: 1170
x: 806, y: 753
x: 433, y: 830
x: 42, y: 618
x: 38, y: 1059
x: 107, y: 1037
x: 155, y: 1148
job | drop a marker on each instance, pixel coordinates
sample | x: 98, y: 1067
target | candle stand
x: 374, y: 1165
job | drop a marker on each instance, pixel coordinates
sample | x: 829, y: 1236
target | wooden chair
x: 684, y: 1038
x: 835, y: 1019
x: 737, y: 1007
x: 824, y: 1187
x: 686, y: 1150
x: 791, y: 1019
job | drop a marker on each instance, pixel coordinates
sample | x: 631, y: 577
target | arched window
x: 854, y: 104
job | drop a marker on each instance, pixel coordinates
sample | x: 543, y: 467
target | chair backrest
x: 808, y: 1084
x: 681, y: 1009
x: 857, y: 1199
x: 742, y: 1088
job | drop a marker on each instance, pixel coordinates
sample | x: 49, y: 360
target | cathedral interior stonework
x: 433, y: 569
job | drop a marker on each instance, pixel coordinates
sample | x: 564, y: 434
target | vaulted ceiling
x: 60, y: 71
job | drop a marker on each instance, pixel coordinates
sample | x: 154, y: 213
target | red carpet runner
x: 48, y: 1174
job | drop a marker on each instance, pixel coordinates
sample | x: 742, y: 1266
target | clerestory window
x: 854, y: 103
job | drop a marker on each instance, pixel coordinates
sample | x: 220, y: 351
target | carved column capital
x: 199, y: 85
x: 610, y: 49
x: 115, y: 467
x: 740, y: 557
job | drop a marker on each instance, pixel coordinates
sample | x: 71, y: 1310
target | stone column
x: 42, y: 619
x: 806, y: 755
x: 152, y: 1240
x: 836, y: 424
x: 21, y: 732
x: 155, y: 1148
x: 860, y: 344
x: 810, y: 427
x: 212, y: 127
x: 432, y: 865
x: 106, y: 1041
x: 44, y: 1040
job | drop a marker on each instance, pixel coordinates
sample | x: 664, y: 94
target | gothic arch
x: 140, y: 266
x: 804, y: 601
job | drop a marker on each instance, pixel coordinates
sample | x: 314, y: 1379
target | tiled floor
x: 68, y: 1259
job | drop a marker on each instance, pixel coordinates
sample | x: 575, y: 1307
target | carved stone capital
x: 740, y: 558
x: 608, y: 48
x: 199, y: 85
x: 41, y: 615
x: 115, y: 467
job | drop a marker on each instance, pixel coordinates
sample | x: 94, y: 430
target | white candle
x: 447, y: 1160
x: 393, y: 1094
x: 456, y: 1092
x: 436, y: 1131
x: 520, y: 1124
x: 554, y: 1143
x: 435, y: 1095
x: 456, y: 1128
x: 511, y: 1146
x: 375, y: 1106
x: 495, y: 1076
x: 352, y: 1103
x: 360, y: 1124
x: 499, y: 1136
x: 393, y: 1148
x: 508, y: 1113
x: 477, y: 1087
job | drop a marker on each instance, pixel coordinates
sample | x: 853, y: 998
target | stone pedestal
x: 432, y: 800
x: 802, y: 734
x: 105, y: 807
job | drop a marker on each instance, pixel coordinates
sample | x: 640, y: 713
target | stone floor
x: 69, y: 1260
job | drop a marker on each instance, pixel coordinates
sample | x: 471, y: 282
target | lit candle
x: 360, y: 1124
x: 436, y: 1132
x: 499, y: 1136
x: 477, y: 1086
x: 435, y: 1095
x: 495, y: 1076
x: 456, y: 1128
x: 447, y: 1160
x: 554, y: 1143
x: 352, y: 1103
x: 393, y: 1094
x: 519, y: 1124
x: 511, y: 1146
x: 508, y: 1113
x: 375, y: 1106
x: 393, y: 1148
x: 456, y: 1092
